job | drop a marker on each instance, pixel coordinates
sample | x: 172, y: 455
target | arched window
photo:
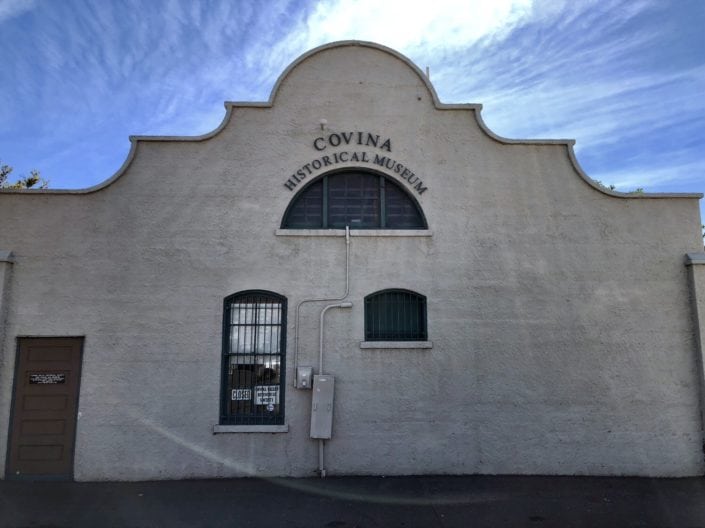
x: 254, y: 350
x: 395, y: 315
x: 355, y: 198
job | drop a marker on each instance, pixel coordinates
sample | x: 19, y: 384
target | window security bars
x: 395, y: 315
x: 254, y: 347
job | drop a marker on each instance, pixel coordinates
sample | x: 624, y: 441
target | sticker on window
x: 266, y: 394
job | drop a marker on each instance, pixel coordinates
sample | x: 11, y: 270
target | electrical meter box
x: 304, y: 377
x: 322, y: 407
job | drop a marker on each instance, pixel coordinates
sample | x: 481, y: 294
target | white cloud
x: 401, y: 24
x: 13, y: 8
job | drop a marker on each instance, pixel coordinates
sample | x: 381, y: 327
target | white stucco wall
x: 560, y: 315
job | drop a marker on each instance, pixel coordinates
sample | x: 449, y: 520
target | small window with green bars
x: 395, y: 315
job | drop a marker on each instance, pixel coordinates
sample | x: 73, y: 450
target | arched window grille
x: 359, y: 199
x: 254, y: 351
x: 395, y: 315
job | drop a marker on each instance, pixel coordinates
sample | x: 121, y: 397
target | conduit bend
x: 320, y: 340
x: 302, y: 302
x: 321, y: 442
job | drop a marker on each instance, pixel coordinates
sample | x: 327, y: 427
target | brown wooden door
x: 45, y: 401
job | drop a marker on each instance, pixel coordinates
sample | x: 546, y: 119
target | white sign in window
x: 266, y: 394
x: 242, y: 394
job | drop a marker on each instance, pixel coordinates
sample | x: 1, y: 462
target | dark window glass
x: 353, y: 200
x: 395, y: 315
x: 307, y: 211
x: 254, y: 347
x: 357, y: 199
x: 401, y: 212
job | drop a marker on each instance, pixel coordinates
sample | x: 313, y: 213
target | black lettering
x: 390, y: 164
x: 404, y: 173
x: 359, y: 138
x: 295, y: 178
x: 415, y: 178
x: 419, y: 187
x: 347, y: 136
x: 326, y: 160
x: 398, y: 167
x: 334, y: 140
x: 316, y: 164
x: 364, y: 157
x: 372, y: 140
x: 387, y: 145
x: 346, y: 156
x: 354, y: 157
x: 301, y: 173
x: 379, y: 160
x: 289, y: 185
x: 315, y: 143
x: 307, y: 167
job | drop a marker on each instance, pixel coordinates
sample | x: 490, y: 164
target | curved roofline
x: 570, y: 144
x: 354, y: 43
x: 476, y: 108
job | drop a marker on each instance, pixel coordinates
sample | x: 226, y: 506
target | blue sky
x: 625, y: 78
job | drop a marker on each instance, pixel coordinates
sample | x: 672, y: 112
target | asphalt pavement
x: 346, y: 502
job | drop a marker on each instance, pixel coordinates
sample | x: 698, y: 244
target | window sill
x: 220, y: 429
x: 396, y: 344
x: 355, y: 232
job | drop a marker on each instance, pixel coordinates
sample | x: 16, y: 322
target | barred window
x: 395, y: 315
x: 254, y: 350
x: 359, y: 199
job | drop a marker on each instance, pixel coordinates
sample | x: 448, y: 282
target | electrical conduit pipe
x: 298, y: 306
x: 321, y: 442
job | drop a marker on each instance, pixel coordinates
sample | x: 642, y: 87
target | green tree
x: 34, y: 180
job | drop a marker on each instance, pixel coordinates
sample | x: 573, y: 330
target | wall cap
x: 694, y: 258
x: 355, y: 232
x: 219, y: 429
x: 6, y: 256
x: 396, y: 344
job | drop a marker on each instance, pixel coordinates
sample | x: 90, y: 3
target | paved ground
x: 474, y: 501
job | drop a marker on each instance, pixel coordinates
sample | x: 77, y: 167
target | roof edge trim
x: 570, y: 144
x: 694, y: 259
x: 230, y: 105
x: 134, y: 140
x: 361, y: 43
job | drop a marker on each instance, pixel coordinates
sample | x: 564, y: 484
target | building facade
x: 350, y: 279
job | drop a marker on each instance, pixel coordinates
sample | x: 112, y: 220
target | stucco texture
x: 560, y: 315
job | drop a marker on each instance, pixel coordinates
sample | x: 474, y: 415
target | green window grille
x: 395, y: 315
x: 254, y: 350
x: 359, y: 199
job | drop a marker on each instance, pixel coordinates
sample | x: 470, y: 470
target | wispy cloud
x: 13, y: 8
x: 80, y: 76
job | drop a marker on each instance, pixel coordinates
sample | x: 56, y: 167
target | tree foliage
x: 638, y: 190
x: 34, y: 180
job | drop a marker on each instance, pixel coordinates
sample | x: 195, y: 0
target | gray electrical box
x: 322, y: 406
x: 304, y: 377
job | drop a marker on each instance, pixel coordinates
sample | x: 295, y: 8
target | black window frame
x: 396, y: 314
x: 257, y: 416
x: 384, y: 182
